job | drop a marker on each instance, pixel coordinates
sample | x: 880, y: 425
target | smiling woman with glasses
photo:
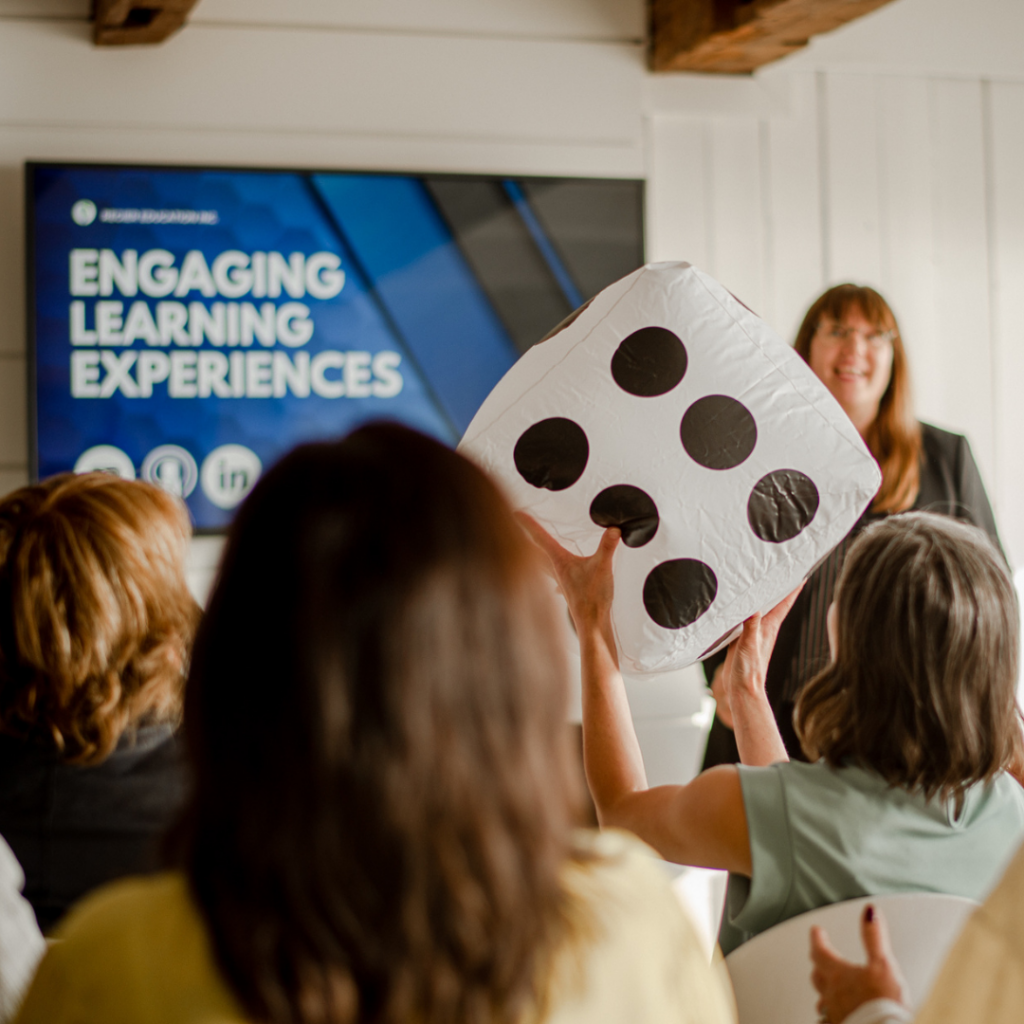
x: 850, y: 339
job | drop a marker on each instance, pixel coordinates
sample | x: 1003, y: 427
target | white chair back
x: 771, y: 974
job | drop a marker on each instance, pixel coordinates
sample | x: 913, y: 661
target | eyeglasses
x: 837, y: 334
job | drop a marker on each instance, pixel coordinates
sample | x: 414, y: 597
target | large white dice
x: 670, y: 410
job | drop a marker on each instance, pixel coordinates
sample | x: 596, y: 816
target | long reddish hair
x: 895, y: 436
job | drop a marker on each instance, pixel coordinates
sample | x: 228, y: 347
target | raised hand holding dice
x: 742, y: 686
x: 586, y: 584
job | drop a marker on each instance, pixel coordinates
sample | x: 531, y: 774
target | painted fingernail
x: 869, y: 914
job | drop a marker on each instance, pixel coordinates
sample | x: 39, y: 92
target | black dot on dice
x: 678, y: 592
x: 718, y: 432
x: 552, y: 453
x: 782, y: 505
x: 633, y: 511
x: 649, y: 362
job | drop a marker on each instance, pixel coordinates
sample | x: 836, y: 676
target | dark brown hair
x: 922, y: 686
x: 384, y: 792
x: 96, y: 618
x: 895, y: 436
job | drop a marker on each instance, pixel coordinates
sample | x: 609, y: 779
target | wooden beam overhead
x: 739, y: 36
x: 126, y: 22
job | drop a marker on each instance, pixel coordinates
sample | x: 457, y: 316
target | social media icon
x: 105, y: 458
x: 229, y: 473
x: 83, y: 213
x: 171, y: 468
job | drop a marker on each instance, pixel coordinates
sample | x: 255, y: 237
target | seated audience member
x: 21, y: 942
x: 912, y: 727
x: 381, y: 824
x: 95, y: 625
x: 981, y: 980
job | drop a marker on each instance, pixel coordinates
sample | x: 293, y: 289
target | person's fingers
x: 773, y: 619
x: 874, y: 933
x: 542, y: 538
x: 823, y: 954
x: 748, y: 642
x: 609, y: 542
x: 532, y: 527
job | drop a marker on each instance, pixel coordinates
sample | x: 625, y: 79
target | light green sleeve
x: 758, y: 905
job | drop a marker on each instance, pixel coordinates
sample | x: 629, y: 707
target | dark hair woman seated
x: 381, y: 826
x: 913, y: 728
x: 96, y: 622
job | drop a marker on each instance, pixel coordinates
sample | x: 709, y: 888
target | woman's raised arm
x: 702, y: 823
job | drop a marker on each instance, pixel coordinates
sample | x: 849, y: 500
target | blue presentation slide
x: 189, y: 326
x: 192, y: 326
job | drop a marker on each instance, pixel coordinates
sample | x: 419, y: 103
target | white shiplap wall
x: 913, y: 184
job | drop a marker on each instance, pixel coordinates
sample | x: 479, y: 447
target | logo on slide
x: 105, y: 458
x: 171, y: 468
x: 229, y: 473
x: 83, y: 213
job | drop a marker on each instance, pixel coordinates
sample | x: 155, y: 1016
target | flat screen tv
x: 190, y: 325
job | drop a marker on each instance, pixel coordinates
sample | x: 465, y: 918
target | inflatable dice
x: 667, y: 408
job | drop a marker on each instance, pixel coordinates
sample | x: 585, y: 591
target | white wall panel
x: 852, y: 230
x: 737, y: 211
x: 1007, y: 225
x: 13, y: 413
x: 45, y: 9
x: 966, y: 38
x: 963, y: 332
x: 794, y: 269
x: 678, y: 226
x: 12, y: 263
x: 217, y: 78
x: 12, y: 479
x: 906, y: 211
x: 570, y: 19
x: 586, y: 19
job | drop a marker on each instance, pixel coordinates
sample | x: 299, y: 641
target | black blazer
x: 74, y: 827
x: 950, y: 485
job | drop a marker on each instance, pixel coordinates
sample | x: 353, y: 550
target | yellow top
x: 983, y: 976
x: 137, y: 952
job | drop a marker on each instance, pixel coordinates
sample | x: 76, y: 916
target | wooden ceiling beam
x: 127, y: 22
x: 739, y: 36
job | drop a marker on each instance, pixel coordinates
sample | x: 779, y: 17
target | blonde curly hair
x: 96, y: 618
